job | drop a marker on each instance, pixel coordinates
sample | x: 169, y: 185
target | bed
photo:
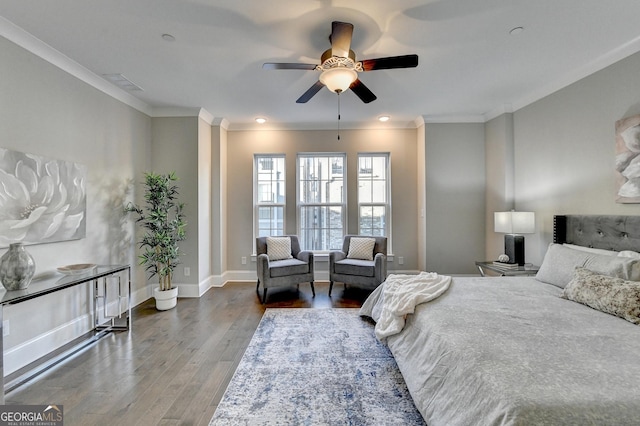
x: 512, y: 351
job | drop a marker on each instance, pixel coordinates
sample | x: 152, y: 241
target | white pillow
x: 629, y: 253
x: 361, y: 248
x: 279, y: 248
x: 559, y: 264
x: 591, y: 249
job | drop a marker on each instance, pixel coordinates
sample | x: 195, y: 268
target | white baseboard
x: 33, y: 349
x: 250, y: 276
x: 43, y: 344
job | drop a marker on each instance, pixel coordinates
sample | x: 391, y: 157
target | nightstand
x: 527, y: 269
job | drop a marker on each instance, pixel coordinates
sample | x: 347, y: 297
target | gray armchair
x: 285, y: 272
x: 368, y: 274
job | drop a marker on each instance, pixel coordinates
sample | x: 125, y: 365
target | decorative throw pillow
x: 560, y: 262
x: 361, y: 248
x: 279, y: 248
x: 607, y: 294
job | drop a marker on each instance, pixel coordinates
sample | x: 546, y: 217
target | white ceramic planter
x: 166, y: 299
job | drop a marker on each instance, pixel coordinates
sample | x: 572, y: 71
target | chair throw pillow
x: 361, y: 248
x: 279, y: 248
x: 607, y: 294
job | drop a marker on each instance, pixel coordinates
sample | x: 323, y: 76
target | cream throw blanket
x: 391, y: 302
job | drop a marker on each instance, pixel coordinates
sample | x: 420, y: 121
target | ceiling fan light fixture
x: 338, y: 79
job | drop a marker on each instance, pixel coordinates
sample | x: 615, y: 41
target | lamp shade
x: 338, y: 79
x: 514, y: 222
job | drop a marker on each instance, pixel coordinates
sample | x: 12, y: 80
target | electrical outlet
x: 187, y: 271
x: 400, y: 260
x: 244, y: 260
x: 6, y: 330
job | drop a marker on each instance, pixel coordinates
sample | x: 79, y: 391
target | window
x: 374, y: 208
x: 269, y: 195
x: 321, y: 201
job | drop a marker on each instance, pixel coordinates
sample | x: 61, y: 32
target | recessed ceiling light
x: 261, y: 120
x: 383, y: 118
x: 168, y: 37
x: 516, y: 30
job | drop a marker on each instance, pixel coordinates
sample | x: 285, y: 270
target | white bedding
x: 389, y: 304
x: 510, y: 351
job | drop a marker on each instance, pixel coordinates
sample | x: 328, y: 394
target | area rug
x: 316, y: 367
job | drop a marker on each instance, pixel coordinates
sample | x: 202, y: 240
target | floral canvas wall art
x: 42, y: 200
x: 628, y: 160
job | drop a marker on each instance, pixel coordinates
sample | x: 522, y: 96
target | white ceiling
x: 470, y: 67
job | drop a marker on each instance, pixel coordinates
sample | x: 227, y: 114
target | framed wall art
x: 42, y: 200
x: 628, y: 160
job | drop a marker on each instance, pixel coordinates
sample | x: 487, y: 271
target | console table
x: 101, y: 327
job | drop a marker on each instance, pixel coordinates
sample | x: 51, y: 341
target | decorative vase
x: 16, y: 268
x: 165, y: 299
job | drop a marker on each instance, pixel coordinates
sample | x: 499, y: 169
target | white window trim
x: 345, y: 192
x: 256, y: 205
x: 389, y: 212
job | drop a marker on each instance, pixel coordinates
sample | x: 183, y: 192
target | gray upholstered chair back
x: 380, y: 246
x: 261, y: 245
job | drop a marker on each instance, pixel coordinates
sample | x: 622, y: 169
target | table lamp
x: 512, y: 224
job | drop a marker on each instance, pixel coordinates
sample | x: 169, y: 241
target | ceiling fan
x: 339, y: 68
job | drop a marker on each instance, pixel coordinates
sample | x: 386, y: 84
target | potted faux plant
x: 164, y: 224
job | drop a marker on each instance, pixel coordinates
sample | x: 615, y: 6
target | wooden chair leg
x: 264, y: 297
x: 330, y: 287
x: 313, y: 290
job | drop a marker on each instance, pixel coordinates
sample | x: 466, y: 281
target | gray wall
x: 242, y: 145
x: 47, y: 112
x: 500, y: 172
x: 175, y: 147
x: 455, y: 204
x: 565, y: 148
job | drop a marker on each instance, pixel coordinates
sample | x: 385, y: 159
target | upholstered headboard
x: 598, y: 231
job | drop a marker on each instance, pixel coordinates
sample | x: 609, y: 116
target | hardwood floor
x: 173, y: 367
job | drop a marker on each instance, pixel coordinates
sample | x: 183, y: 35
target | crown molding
x: 27, y: 41
x: 175, y: 112
x: 443, y: 119
x: 505, y: 109
x: 222, y: 122
x: 324, y: 126
x: 578, y: 74
x: 206, y: 116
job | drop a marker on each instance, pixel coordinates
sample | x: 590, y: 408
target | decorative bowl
x: 77, y: 269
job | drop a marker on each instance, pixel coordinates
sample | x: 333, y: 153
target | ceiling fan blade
x: 285, y: 66
x: 362, y: 91
x: 310, y: 93
x: 340, y: 38
x: 406, y: 61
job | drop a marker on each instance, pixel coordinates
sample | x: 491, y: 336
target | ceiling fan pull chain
x: 338, y: 115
